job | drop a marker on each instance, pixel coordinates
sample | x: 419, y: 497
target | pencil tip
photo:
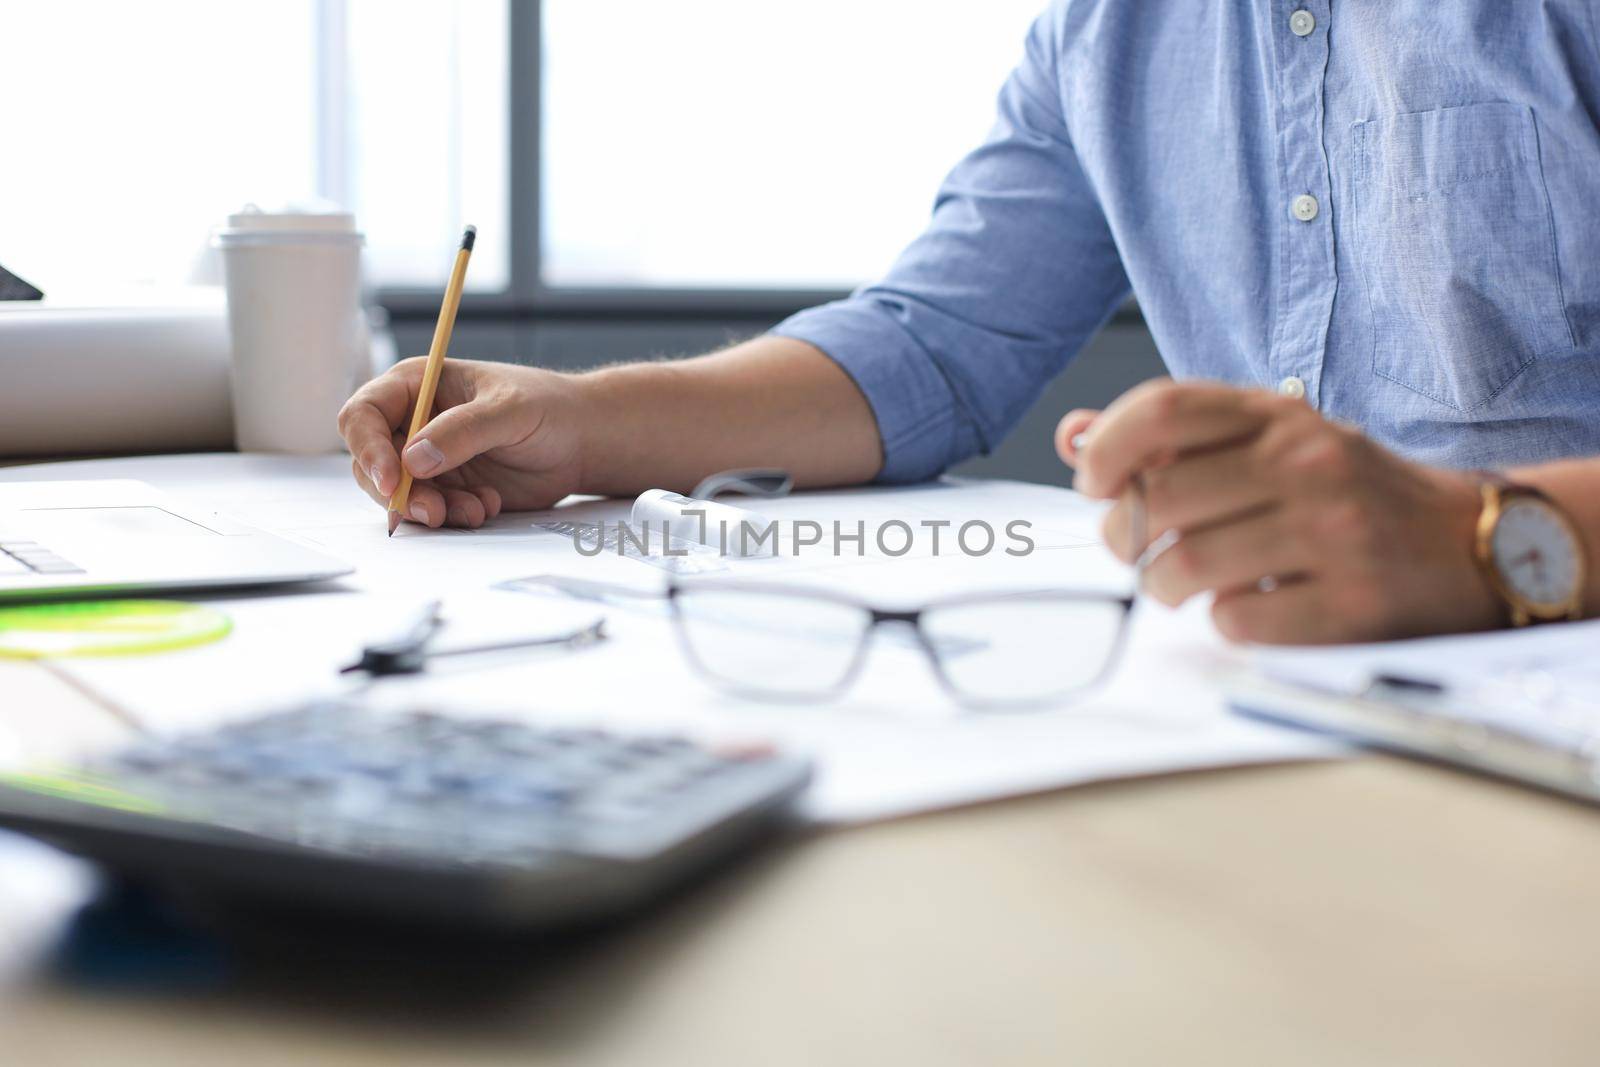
x: 469, y: 238
x: 394, y: 521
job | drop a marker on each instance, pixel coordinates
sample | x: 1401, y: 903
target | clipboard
x: 1412, y: 717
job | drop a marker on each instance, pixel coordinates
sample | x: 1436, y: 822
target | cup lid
x: 313, y: 220
x: 318, y: 215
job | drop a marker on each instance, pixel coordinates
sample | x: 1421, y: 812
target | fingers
x: 457, y: 434
x: 374, y: 424
x: 1117, y: 528
x: 1293, y: 613
x: 1230, y: 556
x: 364, y: 480
x: 434, y: 505
x: 1188, y: 492
x: 366, y: 435
x: 491, y: 499
x: 426, y: 505
x: 463, y: 509
x: 1073, y: 424
x: 1158, y: 420
x: 368, y: 421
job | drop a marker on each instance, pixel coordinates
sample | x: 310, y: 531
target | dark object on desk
x: 414, y: 815
x: 14, y: 288
x: 410, y: 650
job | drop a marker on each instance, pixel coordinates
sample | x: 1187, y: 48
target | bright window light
x: 135, y: 129
x: 427, y: 124
x: 752, y: 143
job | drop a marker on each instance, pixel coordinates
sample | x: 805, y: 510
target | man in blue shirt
x: 1380, y: 215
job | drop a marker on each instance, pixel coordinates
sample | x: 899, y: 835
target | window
x: 135, y: 129
x: 753, y: 143
x: 426, y: 95
x: 701, y: 144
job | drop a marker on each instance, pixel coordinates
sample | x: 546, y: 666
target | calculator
x: 413, y: 814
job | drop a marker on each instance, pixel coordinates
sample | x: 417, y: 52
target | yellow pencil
x: 430, y: 373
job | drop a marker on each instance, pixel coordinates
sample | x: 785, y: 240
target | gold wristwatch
x: 1530, y: 551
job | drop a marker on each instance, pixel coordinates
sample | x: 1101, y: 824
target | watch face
x: 1537, y: 554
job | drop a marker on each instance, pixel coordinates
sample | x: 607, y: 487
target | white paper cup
x: 300, y: 337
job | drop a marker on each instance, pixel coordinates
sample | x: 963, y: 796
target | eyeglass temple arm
x: 755, y: 481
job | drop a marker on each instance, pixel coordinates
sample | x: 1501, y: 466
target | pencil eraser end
x: 469, y: 238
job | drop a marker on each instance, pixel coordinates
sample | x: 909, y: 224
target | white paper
x: 894, y: 745
x: 1566, y: 652
x: 1541, y: 682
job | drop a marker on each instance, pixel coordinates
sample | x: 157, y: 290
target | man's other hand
x: 1304, y: 530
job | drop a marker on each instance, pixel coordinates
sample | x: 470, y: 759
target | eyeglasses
x: 987, y: 650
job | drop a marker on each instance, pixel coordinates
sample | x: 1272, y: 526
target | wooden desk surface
x: 1366, y: 912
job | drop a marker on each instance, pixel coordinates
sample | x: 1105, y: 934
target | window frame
x: 527, y: 296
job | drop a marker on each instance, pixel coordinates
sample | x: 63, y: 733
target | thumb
x: 457, y: 434
x: 1072, y: 426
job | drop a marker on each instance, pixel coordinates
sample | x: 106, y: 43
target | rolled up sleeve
x: 1015, y: 272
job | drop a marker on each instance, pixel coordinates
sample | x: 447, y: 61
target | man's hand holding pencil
x: 491, y: 446
x: 504, y: 437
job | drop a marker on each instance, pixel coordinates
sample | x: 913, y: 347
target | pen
x: 430, y: 373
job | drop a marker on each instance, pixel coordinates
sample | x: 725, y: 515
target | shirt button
x: 1304, y: 207
x: 1302, y: 22
x: 1292, y: 387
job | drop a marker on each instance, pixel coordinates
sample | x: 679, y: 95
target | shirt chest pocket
x: 1456, y: 243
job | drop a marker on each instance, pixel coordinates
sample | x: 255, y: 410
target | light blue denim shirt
x: 1393, y: 205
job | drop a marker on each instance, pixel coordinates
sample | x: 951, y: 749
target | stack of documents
x: 1524, y: 704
